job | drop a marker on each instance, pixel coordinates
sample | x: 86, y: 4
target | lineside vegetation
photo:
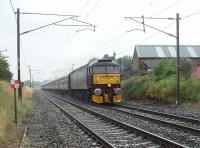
x: 160, y: 84
x: 10, y: 134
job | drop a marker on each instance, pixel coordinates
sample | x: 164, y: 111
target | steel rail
x: 168, y: 123
x: 162, y: 141
x: 181, y: 118
x: 101, y: 140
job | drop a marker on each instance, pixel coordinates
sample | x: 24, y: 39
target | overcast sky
x: 52, y: 51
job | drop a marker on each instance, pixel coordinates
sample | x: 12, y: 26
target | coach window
x: 112, y: 69
x: 99, y: 69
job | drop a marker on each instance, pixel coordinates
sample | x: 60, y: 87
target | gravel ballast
x: 181, y: 137
x: 48, y: 127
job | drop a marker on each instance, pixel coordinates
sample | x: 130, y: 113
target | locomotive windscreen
x: 112, y: 69
x: 99, y: 69
x: 105, y: 69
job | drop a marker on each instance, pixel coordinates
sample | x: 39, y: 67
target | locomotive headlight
x: 97, y: 91
x: 118, y: 91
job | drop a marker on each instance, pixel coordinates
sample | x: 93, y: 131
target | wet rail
x: 109, y: 131
x: 182, y: 123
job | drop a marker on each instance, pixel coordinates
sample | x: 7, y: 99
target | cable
x: 84, y: 6
x: 12, y: 6
x: 190, y: 15
x: 25, y: 61
x: 75, y: 33
x: 13, y: 10
x: 119, y: 26
x: 93, y: 8
x: 161, y: 11
x: 47, y: 14
x: 162, y: 28
x: 152, y: 35
x: 108, y: 42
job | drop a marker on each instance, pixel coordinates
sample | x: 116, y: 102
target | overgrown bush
x: 135, y: 87
x: 164, y: 69
x: 185, y: 67
x: 161, y: 83
x: 190, y: 90
x: 164, y: 90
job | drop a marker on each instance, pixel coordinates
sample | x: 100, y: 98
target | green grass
x: 8, y: 130
x: 163, y: 90
x: 26, y: 142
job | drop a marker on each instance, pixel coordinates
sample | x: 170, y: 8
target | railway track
x: 179, y: 122
x: 108, y: 131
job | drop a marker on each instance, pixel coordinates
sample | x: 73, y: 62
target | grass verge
x: 10, y: 134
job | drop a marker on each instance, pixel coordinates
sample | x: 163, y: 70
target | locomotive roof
x: 103, y: 62
x: 98, y: 63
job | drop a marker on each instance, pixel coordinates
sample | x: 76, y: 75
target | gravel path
x: 48, y: 127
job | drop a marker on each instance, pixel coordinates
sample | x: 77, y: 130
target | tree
x: 106, y: 56
x: 124, y: 62
x: 5, y: 73
x: 165, y: 68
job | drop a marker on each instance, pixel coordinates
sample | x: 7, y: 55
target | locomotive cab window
x: 99, y: 69
x: 112, y: 69
x: 105, y: 69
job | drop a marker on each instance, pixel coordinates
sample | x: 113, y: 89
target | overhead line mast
x: 70, y: 17
x: 177, y: 46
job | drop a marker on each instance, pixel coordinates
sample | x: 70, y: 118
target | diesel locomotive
x: 98, y: 81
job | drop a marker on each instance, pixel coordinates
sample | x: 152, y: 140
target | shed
x: 146, y: 57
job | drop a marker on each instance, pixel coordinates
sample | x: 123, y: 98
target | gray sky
x: 54, y: 49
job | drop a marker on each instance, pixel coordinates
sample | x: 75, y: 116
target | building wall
x: 196, y: 68
x: 136, y: 65
x: 127, y: 73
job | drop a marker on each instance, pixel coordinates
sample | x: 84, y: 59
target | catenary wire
x: 152, y: 35
x: 190, y: 15
x: 25, y: 61
x: 69, y: 41
x: 13, y: 10
x: 168, y: 7
x: 115, y: 29
x: 93, y: 8
x: 75, y: 33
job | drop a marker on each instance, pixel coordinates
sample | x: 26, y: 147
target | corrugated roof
x: 162, y: 51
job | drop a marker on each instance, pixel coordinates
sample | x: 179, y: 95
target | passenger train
x: 98, y: 81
